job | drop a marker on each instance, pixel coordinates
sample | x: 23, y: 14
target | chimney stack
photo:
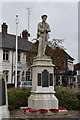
x: 25, y: 34
x: 4, y: 28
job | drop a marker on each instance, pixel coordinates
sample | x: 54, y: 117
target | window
x: 6, y: 74
x: 27, y: 60
x: 19, y: 57
x: 28, y: 75
x: 18, y: 76
x: 5, y: 55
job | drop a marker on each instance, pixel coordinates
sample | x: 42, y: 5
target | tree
x: 56, y: 43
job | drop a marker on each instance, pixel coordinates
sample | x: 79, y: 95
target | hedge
x: 17, y: 98
x: 67, y: 98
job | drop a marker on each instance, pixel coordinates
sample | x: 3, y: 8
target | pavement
x: 20, y: 115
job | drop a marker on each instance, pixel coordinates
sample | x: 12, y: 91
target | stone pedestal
x: 4, y: 112
x: 42, y: 93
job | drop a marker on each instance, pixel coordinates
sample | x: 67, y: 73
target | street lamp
x: 28, y: 18
x: 17, y: 21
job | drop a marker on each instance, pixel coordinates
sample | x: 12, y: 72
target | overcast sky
x: 62, y: 18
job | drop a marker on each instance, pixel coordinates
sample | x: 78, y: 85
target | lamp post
x: 28, y: 18
x: 17, y: 21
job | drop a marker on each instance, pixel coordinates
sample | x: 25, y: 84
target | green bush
x: 78, y: 97
x: 17, y: 98
x: 67, y: 98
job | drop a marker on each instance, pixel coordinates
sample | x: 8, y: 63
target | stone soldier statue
x: 42, y: 34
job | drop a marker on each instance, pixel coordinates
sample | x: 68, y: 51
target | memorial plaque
x: 39, y: 79
x: 2, y: 92
x: 45, y: 77
x: 51, y: 79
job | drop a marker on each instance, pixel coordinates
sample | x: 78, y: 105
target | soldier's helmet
x: 43, y: 16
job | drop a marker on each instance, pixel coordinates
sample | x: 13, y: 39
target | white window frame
x: 5, y: 55
x: 28, y: 75
x: 18, y: 76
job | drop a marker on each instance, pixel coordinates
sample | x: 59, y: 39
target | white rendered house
x: 7, y: 55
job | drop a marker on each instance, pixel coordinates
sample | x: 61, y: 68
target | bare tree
x: 56, y: 43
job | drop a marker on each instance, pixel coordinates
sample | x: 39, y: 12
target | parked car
x: 24, y: 84
x: 77, y: 84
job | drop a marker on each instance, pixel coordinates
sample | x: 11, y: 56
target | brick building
x: 63, y: 63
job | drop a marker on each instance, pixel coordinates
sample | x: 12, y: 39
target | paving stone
x: 19, y: 115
